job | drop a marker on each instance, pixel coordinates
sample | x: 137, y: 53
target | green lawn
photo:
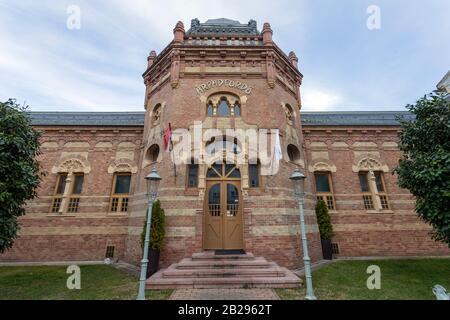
x: 99, y: 282
x: 346, y: 280
x: 400, y: 280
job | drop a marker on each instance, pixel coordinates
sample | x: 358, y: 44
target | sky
x: 98, y: 66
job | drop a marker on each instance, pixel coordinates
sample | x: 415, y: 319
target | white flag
x: 277, y: 154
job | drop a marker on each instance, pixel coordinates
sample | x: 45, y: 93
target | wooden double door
x: 223, y: 218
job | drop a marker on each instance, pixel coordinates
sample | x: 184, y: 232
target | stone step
x: 207, y: 270
x: 159, y: 282
x: 210, y: 255
x: 224, y: 264
x: 223, y: 273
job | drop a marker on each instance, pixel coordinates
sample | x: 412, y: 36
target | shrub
x: 324, y: 220
x: 157, y: 228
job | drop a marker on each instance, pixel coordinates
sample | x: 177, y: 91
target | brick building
x: 221, y: 193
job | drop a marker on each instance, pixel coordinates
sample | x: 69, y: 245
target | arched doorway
x: 223, y: 218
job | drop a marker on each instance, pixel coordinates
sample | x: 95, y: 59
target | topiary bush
x: 157, y: 227
x: 324, y: 220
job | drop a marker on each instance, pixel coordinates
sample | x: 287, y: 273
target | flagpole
x: 170, y: 146
x: 174, y: 166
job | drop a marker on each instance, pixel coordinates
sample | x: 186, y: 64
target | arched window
x: 370, y: 191
x: 224, y: 108
x: 289, y: 113
x: 156, y: 114
x: 210, y: 110
x: 153, y: 153
x: 237, y: 110
x: 223, y: 105
x: 293, y: 153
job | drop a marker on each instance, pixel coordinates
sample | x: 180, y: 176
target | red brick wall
x: 358, y: 232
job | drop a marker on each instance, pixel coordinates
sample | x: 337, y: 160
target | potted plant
x: 157, y: 232
x: 325, y: 229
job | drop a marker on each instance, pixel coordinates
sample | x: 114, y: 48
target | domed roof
x: 223, y: 22
x: 222, y: 26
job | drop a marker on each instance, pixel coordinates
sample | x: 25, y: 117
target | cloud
x: 99, y: 67
x: 320, y: 100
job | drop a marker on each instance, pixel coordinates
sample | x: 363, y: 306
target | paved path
x: 224, y: 294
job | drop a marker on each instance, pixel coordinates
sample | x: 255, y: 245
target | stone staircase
x: 208, y: 270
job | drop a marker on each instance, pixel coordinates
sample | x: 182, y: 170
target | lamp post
x: 152, y: 181
x: 298, y: 179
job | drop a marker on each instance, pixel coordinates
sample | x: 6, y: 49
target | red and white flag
x: 168, y: 145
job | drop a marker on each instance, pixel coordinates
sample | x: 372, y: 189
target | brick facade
x: 180, y: 82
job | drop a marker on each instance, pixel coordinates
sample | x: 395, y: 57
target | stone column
x: 66, y: 195
x: 374, y: 190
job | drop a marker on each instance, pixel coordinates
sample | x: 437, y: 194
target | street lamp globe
x: 152, y: 179
x: 298, y: 179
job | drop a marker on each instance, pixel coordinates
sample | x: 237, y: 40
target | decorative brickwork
x: 221, y: 60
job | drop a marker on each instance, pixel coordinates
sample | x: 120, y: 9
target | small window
x: 153, y: 153
x: 156, y: 114
x: 324, y: 190
x: 293, y: 153
x: 379, y: 181
x: 122, y: 184
x: 210, y: 110
x: 61, y: 183
x: 59, y: 191
x: 214, y: 146
x: 110, y: 252
x: 363, y: 182
x: 335, y: 248
x: 237, y: 111
x: 76, y: 188
x: 289, y: 113
x: 253, y: 175
x: 74, y: 204
x: 322, y: 182
x: 78, y: 184
x: 120, y: 194
x: 366, y: 191
x: 224, y: 109
x: 193, y: 175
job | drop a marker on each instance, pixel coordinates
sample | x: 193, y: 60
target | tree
x: 20, y: 172
x: 157, y: 227
x: 324, y: 220
x: 424, y: 168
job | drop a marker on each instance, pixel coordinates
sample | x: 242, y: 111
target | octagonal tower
x: 219, y: 85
